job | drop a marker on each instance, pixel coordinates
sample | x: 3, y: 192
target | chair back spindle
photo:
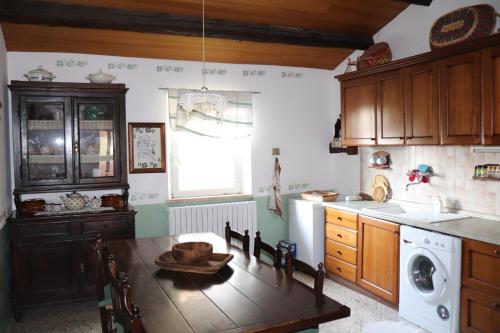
x: 318, y: 275
x: 260, y: 246
x: 244, y: 239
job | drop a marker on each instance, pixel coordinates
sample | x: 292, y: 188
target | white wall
x: 5, y: 196
x: 296, y: 114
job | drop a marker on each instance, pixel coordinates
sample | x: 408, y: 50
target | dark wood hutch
x: 66, y: 137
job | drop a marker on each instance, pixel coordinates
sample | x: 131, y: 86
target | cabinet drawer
x: 47, y: 229
x: 339, y: 217
x: 341, y: 251
x: 481, y: 267
x: 341, y: 268
x: 342, y: 235
x: 479, y: 312
x: 107, y: 225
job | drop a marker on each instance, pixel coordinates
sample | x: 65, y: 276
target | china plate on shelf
x: 218, y: 260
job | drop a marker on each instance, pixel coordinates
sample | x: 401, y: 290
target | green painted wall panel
x: 152, y: 220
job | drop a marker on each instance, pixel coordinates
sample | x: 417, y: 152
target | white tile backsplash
x: 453, y: 168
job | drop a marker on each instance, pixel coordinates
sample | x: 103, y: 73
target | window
x: 203, y: 166
x: 209, y: 145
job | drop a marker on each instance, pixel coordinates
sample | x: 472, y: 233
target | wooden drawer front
x: 47, y: 229
x: 107, y: 225
x: 479, y: 312
x: 481, y: 267
x: 342, y: 235
x: 341, y: 251
x: 339, y: 217
x: 341, y: 268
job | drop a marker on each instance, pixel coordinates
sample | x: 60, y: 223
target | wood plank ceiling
x: 354, y: 19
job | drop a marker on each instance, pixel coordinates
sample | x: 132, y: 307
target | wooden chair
x: 102, y: 254
x: 259, y: 246
x: 318, y: 275
x: 102, y: 282
x: 244, y: 239
x: 125, y: 312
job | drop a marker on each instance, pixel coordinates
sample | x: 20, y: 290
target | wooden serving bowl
x: 32, y: 206
x: 192, y: 253
x: 112, y: 200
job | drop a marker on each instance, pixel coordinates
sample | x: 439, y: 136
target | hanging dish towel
x: 275, y: 199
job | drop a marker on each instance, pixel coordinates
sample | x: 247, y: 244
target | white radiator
x: 212, y: 218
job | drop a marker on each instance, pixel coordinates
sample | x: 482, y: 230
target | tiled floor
x: 84, y: 317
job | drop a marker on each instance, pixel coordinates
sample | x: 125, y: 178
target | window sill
x: 217, y: 198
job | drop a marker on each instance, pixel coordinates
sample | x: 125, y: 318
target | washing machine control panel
x: 437, y: 243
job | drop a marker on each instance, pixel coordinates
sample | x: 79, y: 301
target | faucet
x: 409, y: 184
x: 421, y: 174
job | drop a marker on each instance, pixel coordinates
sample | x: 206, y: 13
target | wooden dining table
x: 247, y: 295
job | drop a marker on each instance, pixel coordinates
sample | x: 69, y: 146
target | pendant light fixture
x: 206, y: 99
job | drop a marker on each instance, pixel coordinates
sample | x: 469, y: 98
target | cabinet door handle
x: 339, y: 218
x: 339, y: 252
x: 373, y: 139
x: 76, y: 147
x: 497, y: 252
x: 339, y: 235
x: 338, y: 269
x: 82, y: 268
x: 401, y: 138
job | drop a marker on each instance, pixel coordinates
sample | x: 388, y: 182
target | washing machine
x: 429, y: 279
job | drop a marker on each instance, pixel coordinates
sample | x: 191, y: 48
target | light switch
x: 276, y: 151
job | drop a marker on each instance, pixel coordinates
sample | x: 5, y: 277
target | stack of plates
x: 380, y: 188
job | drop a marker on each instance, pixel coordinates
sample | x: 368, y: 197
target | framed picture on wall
x: 146, y: 148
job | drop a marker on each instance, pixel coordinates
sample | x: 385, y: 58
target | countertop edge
x: 441, y: 227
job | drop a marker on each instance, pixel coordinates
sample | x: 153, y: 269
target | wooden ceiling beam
x: 418, y: 2
x: 80, y: 16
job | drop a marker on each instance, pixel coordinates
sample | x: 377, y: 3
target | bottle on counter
x: 437, y: 205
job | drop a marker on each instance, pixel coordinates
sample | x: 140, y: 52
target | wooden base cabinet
x: 378, y: 257
x: 480, y: 296
x: 341, y: 243
x: 364, y: 251
x: 53, y: 257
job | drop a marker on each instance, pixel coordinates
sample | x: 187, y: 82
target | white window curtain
x: 233, y: 122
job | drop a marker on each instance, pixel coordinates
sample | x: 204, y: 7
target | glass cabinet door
x: 46, y: 134
x: 96, y: 152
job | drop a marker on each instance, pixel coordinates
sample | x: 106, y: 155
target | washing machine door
x: 426, y: 274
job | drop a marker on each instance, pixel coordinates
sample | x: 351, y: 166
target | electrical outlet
x: 276, y: 151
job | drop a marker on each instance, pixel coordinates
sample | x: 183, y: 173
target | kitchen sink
x: 416, y: 214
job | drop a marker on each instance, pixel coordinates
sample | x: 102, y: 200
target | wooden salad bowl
x: 192, y: 253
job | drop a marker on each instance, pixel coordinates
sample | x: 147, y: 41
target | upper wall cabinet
x: 491, y: 95
x: 421, y: 103
x: 460, y: 99
x: 450, y: 96
x: 390, y: 108
x: 358, y: 112
x: 68, y: 136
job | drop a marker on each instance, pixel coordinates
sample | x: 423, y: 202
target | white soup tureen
x: 40, y: 74
x: 100, y: 77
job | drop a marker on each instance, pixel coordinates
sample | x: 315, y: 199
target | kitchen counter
x: 471, y: 227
